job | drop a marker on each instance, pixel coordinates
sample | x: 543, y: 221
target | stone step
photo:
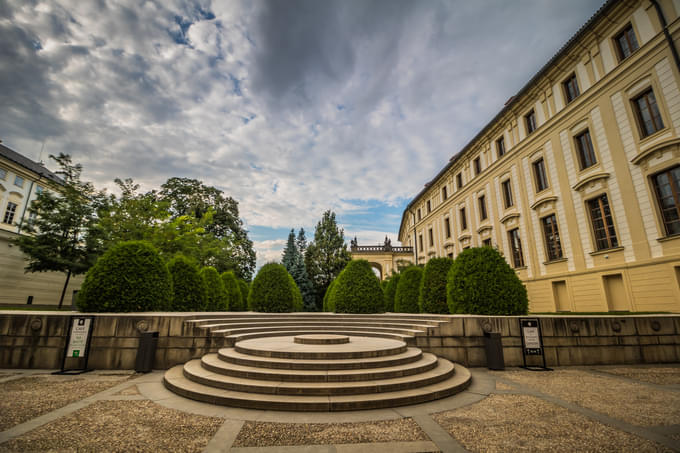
x: 359, y: 347
x: 213, y: 363
x: 433, y: 320
x: 175, y: 381
x: 233, y: 339
x: 224, y: 326
x: 321, y: 327
x: 232, y: 356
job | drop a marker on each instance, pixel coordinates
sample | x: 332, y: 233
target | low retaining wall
x: 37, y: 339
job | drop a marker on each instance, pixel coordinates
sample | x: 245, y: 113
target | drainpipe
x: 671, y: 44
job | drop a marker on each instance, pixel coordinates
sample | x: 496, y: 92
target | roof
x: 28, y: 164
x: 515, y: 99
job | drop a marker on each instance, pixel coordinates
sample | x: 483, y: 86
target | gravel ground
x: 120, y: 426
x: 26, y: 398
x: 257, y: 434
x: 633, y: 403
x: 661, y: 376
x: 502, y: 423
x: 502, y: 386
x: 132, y: 390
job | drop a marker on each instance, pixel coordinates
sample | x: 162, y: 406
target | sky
x: 292, y: 107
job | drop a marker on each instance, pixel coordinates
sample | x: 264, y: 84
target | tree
x: 432, y: 297
x: 390, y: 291
x: 231, y: 285
x: 192, y: 198
x: 244, y: 288
x: 357, y: 290
x: 408, y: 289
x: 188, y: 287
x: 294, y: 262
x: 216, y: 298
x: 274, y: 291
x: 63, y: 237
x: 290, y: 252
x: 326, y: 256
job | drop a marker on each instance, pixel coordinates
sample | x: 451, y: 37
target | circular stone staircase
x: 317, y: 372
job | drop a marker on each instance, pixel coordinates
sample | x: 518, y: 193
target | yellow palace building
x: 577, y: 179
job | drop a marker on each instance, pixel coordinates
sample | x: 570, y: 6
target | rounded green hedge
x: 481, y: 282
x: 408, y: 290
x: 357, y: 290
x: 215, y: 293
x: 432, y: 298
x: 390, y: 292
x: 187, y: 285
x: 130, y: 276
x: 244, y: 289
x: 326, y: 298
x: 231, y: 286
x: 273, y: 290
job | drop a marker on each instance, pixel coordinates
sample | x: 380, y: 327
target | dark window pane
x: 667, y: 187
x: 586, y: 154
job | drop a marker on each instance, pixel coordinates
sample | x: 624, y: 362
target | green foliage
x: 273, y: 290
x: 216, y: 298
x: 290, y: 252
x: 131, y: 276
x: 327, y: 307
x: 187, y: 285
x: 408, y: 289
x: 293, y: 261
x: 481, y: 282
x: 326, y: 256
x: 432, y: 297
x: 357, y: 290
x: 63, y: 237
x: 244, y: 288
x: 390, y: 292
x: 231, y: 286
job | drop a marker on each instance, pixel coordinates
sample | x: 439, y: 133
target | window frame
x: 582, y: 153
x: 642, y: 129
x: 445, y: 194
x: 447, y: 227
x: 551, y: 237
x: 10, y: 212
x: 508, y: 200
x: 617, y: 42
x: 572, y: 82
x: 459, y: 180
x: 530, y: 121
x: 674, y: 186
x: 429, y: 206
x: 463, y: 219
x: 483, y: 214
x: 3, y: 174
x: 486, y: 242
x: 420, y: 242
x: 430, y: 236
x: 477, y: 165
x: 610, y: 237
x: 419, y: 215
x: 500, y: 147
x: 515, y: 242
x: 541, y: 182
x: 21, y: 180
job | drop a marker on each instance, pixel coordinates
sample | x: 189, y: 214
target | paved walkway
x: 601, y: 408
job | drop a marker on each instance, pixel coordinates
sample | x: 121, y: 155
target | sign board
x: 80, y: 332
x: 77, y: 344
x: 532, y: 341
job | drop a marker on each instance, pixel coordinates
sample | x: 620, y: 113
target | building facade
x: 384, y: 258
x: 21, y: 180
x: 576, y: 180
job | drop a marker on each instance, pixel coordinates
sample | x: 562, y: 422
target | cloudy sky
x: 292, y: 107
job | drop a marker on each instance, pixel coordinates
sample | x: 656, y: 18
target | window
x: 603, y: 224
x: 516, y: 248
x: 667, y: 188
x: 482, y: 208
x: 500, y: 147
x: 459, y: 180
x: 647, y: 112
x: 450, y: 255
x: 584, y: 148
x: 486, y: 242
x: 463, y: 219
x: 478, y: 165
x: 626, y: 43
x: 38, y: 190
x: 31, y: 218
x: 540, y: 176
x: 570, y: 88
x: 419, y: 216
x: 9, y: 212
x: 429, y: 207
x: 507, y: 194
x: 447, y: 227
x: 420, y: 242
x: 445, y: 195
x: 3, y: 173
x: 530, y: 121
x: 19, y: 181
x: 552, y: 237
x: 431, y: 237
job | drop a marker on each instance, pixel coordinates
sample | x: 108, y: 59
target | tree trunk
x: 63, y: 291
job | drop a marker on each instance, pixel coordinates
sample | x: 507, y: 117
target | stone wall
x: 36, y: 339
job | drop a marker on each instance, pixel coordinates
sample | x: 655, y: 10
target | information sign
x: 78, y: 339
x: 532, y: 341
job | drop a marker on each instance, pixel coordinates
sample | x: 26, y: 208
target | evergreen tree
x: 290, y: 253
x: 326, y: 256
x: 294, y: 262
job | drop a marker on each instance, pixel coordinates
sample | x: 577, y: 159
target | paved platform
x: 599, y: 408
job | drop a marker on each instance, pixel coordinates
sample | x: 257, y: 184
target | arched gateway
x: 384, y: 258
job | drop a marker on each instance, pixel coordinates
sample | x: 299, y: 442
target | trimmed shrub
x: 215, y: 293
x: 233, y: 291
x: 298, y: 303
x: 326, y: 298
x: 408, y: 289
x: 390, y: 292
x: 432, y: 298
x: 244, y: 288
x: 187, y: 285
x: 357, y: 290
x: 481, y: 282
x: 273, y: 290
x: 130, y: 276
